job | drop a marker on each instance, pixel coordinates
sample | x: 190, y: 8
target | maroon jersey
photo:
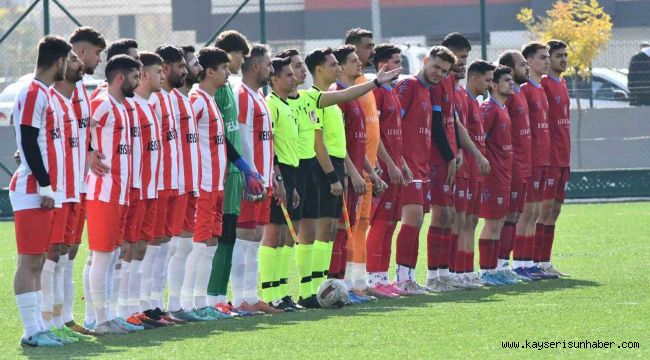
x: 442, y: 100
x: 498, y: 144
x: 538, y: 110
x: 475, y: 131
x: 355, y: 130
x: 415, y: 102
x: 559, y: 120
x: 521, y: 141
x: 390, y: 122
x: 461, y: 106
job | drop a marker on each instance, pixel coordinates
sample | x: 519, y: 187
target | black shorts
x: 331, y: 206
x: 289, y: 177
x: 308, y: 190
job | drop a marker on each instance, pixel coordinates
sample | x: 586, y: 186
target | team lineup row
x: 187, y: 181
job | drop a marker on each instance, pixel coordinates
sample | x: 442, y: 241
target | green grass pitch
x: 606, y: 247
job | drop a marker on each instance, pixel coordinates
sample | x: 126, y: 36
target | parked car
x: 8, y: 95
x: 607, y: 88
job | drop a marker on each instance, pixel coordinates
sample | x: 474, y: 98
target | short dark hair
x: 148, y: 58
x: 456, y: 41
x: 529, y: 50
x: 383, y: 52
x: 508, y: 58
x: 556, y: 45
x: 188, y: 49
x: 354, y: 36
x: 279, y: 64
x: 443, y: 53
x: 88, y: 34
x: 232, y: 40
x: 211, y: 57
x: 341, y: 53
x: 480, y: 67
x: 170, y: 53
x: 120, y: 63
x: 257, y: 51
x: 501, y: 71
x: 120, y: 46
x: 316, y: 58
x: 51, y: 48
x: 287, y: 53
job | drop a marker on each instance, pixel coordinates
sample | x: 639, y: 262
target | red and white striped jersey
x: 34, y: 107
x: 212, y: 140
x: 81, y: 106
x: 110, y: 134
x: 254, y: 112
x: 169, y: 164
x: 151, y: 146
x: 136, y: 143
x: 68, y: 122
x: 189, y: 158
x: 99, y: 90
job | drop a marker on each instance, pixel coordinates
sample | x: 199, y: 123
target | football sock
x: 267, y: 272
x: 88, y: 298
x: 406, y: 250
x: 218, y: 284
x: 386, y: 246
x: 237, y: 271
x: 359, y: 238
x: 252, y: 271
x: 339, y: 252
x: 47, y: 290
x: 322, y: 256
x: 486, y: 250
x: 549, y: 236
x: 518, y: 251
x: 39, y: 304
x: 539, y: 242
x: 135, y: 277
x: 402, y: 273
x: 445, y: 251
x: 146, y: 270
x: 98, y: 277
x: 158, y: 275
x: 189, y: 280
x: 57, y: 314
x: 285, y: 268
x: 176, y: 273
x: 374, y: 245
x: 506, y: 243
x: 277, y: 271
x: 29, y: 312
x: 114, y: 287
x: 203, y: 270
x: 435, y: 239
x: 453, y: 243
x: 304, y: 264
x: 68, y: 290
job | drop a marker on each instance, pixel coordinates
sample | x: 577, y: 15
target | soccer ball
x: 332, y: 294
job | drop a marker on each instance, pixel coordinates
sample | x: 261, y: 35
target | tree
x: 583, y: 25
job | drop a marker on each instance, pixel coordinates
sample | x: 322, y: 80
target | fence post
x: 263, y: 21
x: 483, y: 32
x: 46, y: 17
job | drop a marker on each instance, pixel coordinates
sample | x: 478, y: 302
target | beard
x: 74, y: 76
x: 60, y: 75
x: 128, y: 90
x: 176, y: 81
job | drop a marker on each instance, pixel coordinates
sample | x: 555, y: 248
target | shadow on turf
x: 110, y: 345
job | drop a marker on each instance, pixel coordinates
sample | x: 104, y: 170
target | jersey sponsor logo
x: 73, y: 142
x: 171, y: 135
x: 542, y: 125
x: 265, y: 135
x: 55, y: 134
x: 524, y: 132
x: 499, y: 200
x: 135, y: 131
x: 445, y: 189
x: 563, y: 121
x: 361, y: 135
x: 232, y: 126
x: 192, y: 138
x: 123, y: 149
x: 153, y: 145
x: 218, y: 139
x: 394, y: 132
x: 83, y: 123
x: 507, y: 147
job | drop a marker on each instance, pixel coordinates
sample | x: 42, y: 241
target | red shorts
x: 255, y: 213
x: 189, y: 224
x: 494, y: 203
x: 134, y: 217
x: 557, y: 181
x: 181, y: 210
x: 386, y: 207
x: 209, y: 215
x: 59, y: 224
x: 106, y: 223
x: 474, y: 189
x: 33, y: 230
x: 460, y: 194
x: 167, y: 200
x: 80, y: 216
x: 518, y: 193
x: 442, y: 193
x: 537, y: 183
x: 70, y: 236
x: 149, y: 220
x: 415, y: 193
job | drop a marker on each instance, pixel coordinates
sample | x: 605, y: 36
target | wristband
x: 377, y: 84
x: 332, y: 178
x: 46, y: 191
